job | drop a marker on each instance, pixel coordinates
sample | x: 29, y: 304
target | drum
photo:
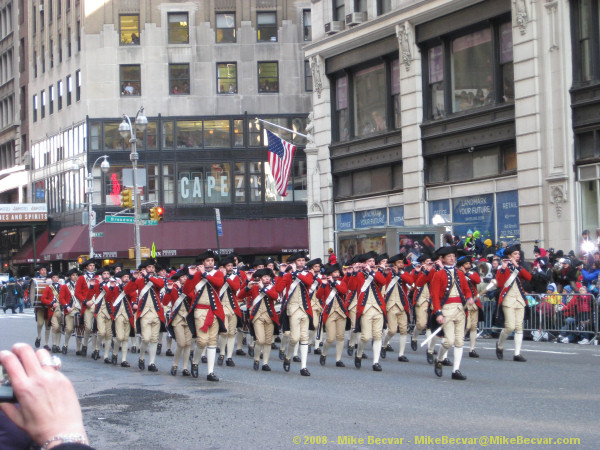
x: 79, y: 326
x: 36, y: 290
x: 245, y: 317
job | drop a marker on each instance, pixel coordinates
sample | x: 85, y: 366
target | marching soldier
x: 85, y: 291
x: 370, y: 310
x: 209, y: 317
x: 233, y: 313
x: 449, y: 294
x: 397, y: 304
x: 465, y: 264
x: 334, y: 317
x: 42, y: 313
x: 103, y: 313
x: 296, y: 310
x: 352, y: 303
x: 71, y: 308
x: 179, y: 321
x: 424, y: 271
x: 149, y: 313
x: 51, y: 300
x: 261, y: 294
x: 314, y: 265
x: 512, y: 299
x: 162, y: 273
x: 123, y: 316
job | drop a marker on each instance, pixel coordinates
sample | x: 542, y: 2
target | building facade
x: 452, y: 113
x: 203, y: 72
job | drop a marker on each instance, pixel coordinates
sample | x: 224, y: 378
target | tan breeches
x: 454, y: 325
x: 371, y: 325
x: 230, y: 324
x: 150, y: 327
x: 397, y: 317
x: 421, y: 315
x: 122, y: 327
x: 299, y: 327
x: 263, y: 329
x: 209, y: 338
x: 335, y: 327
x: 183, y: 334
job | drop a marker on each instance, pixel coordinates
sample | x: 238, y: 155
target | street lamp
x: 126, y: 130
x: 104, y: 166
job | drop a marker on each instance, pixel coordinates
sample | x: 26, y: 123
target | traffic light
x: 156, y: 213
x: 126, y: 200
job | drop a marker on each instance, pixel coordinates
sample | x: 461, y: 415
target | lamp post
x: 104, y: 166
x: 126, y: 130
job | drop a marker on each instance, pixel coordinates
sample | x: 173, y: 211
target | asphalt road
x: 555, y: 394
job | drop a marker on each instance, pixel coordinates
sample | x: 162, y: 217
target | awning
x: 25, y: 255
x: 183, y: 238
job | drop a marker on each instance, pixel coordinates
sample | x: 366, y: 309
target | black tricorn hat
x: 41, y: 266
x: 366, y: 256
x: 53, y: 274
x: 106, y: 269
x: 122, y: 273
x: 423, y: 257
x: 180, y: 273
x: 513, y: 248
x: 296, y: 255
x: 382, y: 257
x: 258, y: 262
x: 312, y: 262
x: 332, y: 268
x: 227, y: 260
x: 206, y: 255
x: 262, y: 272
x: 398, y: 257
x: 147, y: 262
x: 443, y: 251
x: 88, y: 261
x: 72, y: 271
x: 354, y: 260
x: 463, y: 260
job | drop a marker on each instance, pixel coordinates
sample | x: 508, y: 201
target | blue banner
x: 474, y: 213
x: 396, y: 215
x: 439, y: 208
x: 344, y: 221
x: 507, y: 207
x: 371, y: 218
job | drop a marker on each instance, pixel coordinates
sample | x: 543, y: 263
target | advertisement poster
x: 507, y: 207
x: 344, y: 221
x: 439, y: 208
x: 414, y: 244
x: 353, y: 246
x: 396, y: 216
x: 371, y: 218
x: 474, y: 213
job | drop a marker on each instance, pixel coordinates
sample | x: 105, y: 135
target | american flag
x: 281, y: 155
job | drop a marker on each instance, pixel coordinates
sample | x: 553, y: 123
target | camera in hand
x: 6, y: 390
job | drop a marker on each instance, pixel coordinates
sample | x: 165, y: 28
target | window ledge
x: 507, y: 174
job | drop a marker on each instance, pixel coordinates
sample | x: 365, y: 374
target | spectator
x: 13, y: 292
x: 332, y: 258
x: 135, y: 39
x: 21, y: 291
x: 565, y: 274
x: 577, y: 318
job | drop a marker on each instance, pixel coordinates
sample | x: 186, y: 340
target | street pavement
x: 554, y: 395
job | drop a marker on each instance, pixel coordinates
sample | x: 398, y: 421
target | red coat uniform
x: 424, y: 278
x: 126, y: 302
x: 503, y: 275
x: 474, y: 279
x: 214, y: 283
x: 269, y: 298
x: 439, y: 286
x: 49, y: 298
x: 84, y: 292
x: 235, y: 283
x: 404, y: 284
x: 323, y: 294
x: 65, y: 297
x: 284, y: 284
x: 374, y: 289
x: 157, y: 285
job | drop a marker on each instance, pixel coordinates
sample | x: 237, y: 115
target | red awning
x: 184, y: 238
x: 68, y: 244
x: 25, y: 255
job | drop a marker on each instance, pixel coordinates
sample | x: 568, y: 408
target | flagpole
x: 283, y: 128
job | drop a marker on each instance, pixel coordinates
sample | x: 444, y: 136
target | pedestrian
x: 11, y: 297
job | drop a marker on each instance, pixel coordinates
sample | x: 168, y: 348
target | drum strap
x: 118, y: 300
x: 331, y: 296
x: 74, y: 302
x: 100, y: 297
x: 54, y: 292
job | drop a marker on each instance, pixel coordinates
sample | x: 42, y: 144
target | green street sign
x: 119, y: 219
x: 97, y: 234
x: 148, y: 222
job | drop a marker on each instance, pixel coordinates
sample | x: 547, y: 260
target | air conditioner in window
x: 334, y: 27
x: 355, y: 18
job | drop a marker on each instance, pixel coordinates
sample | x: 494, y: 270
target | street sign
x: 148, y: 222
x: 97, y: 234
x: 119, y: 219
x: 218, y: 219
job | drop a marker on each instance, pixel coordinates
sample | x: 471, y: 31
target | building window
x: 383, y: 6
x: 68, y: 42
x: 436, y: 81
x: 506, y: 63
x: 396, y: 94
x: 216, y: 134
x: 179, y: 28
x: 60, y: 55
x: 129, y: 29
x: 266, y: 27
x: 341, y: 108
x: 225, y: 29
x: 51, y: 50
x: 35, y: 107
x: 268, y: 77
x: 256, y: 181
x: 51, y: 95
x: 69, y: 89
x: 33, y: 21
x: 131, y: 79
x: 43, y: 108
x: 78, y: 85
x: 308, y: 79
x: 369, y: 101
x: 339, y: 10
x: 58, y: 9
x: 59, y: 88
x: 189, y: 134
x: 35, y: 74
x: 227, y: 78
x: 239, y: 182
x: 50, y: 4
x: 306, y: 25
x: 43, y: 56
x: 78, y: 36
x: 179, y: 79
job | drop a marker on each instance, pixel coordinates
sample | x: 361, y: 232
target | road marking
x: 528, y: 350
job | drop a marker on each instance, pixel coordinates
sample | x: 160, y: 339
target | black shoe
x: 55, y: 349
x: 134, y: 349
x: 473, y: 354
x: 185, y: 373
x: 46, y: 347
x: 296, y: 359
x: 141, y: 364
x: 64, y: 350
x: 83, y: 351
x: 195, y: 370
x: 240, y: 352
x: 158, y: 349
x: 458, y: 376
x: 339, y: 364
x: 138, y: 350
x: 439, y: 368
x: 304, y: 372
x: 274, y: 346
x: 388, y: 348
x: 278, y: 339
x: 152, y: 368
x: 38, y: 341
x: 266, y: 368
x: 519, y: 358
x: 107, y: 361
x: 383, y: 352
x: 212, y: 377
x: 402, y: 358
x: 318, y: 351
x: 229, y: 362
x: 446, y: 362
x: 204, y: 360
x: 218, y: 350
x: 281, y: 354
x: 364, y: 356
x: 114, y: 359
x: 220, y: 360
x: 96, y: 355
x: 429, y: 357
x: 174, y: 370
x: 251, y: 352
x: 256, y: 365
x: 413, y: 344
x: 125, y: 364
x: 286, y: 365
x: 169, y: 352
x: 357, y: 362
x: 377, y: 367
x: 322, y: 360
x: 350, y: 351
x: 261, y: 355
x: 499, y: 352
x: 77, y: 352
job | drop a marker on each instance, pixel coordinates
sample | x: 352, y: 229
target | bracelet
x: 65, y: 438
